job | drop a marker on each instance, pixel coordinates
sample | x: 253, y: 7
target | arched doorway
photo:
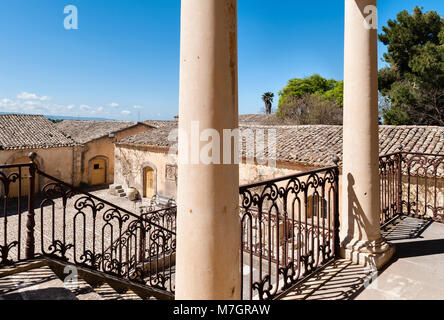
x: 14, y: 188
x: 98, y: 171
x: 148, y: 182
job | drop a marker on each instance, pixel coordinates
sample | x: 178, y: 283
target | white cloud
x: 31, y: 96
x: 31, y: 103
x: 6, y: 101
x: 113, y: 104
x: 137, y: 107
x: 29, y: 108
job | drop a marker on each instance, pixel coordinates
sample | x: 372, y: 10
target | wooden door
x: 98, y: 172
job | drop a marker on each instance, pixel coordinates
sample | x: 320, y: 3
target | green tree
x: 414, y: 79
x: 311, y: 109
x: 268, y: 97
x: 314, y: 85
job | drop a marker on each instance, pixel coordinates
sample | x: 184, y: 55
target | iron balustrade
x: 412, y: 184
x: 289, y: 225
x: 70, y: 225
x: 14, y: 243
x: 154, y: 249
x: 289, y: 230
x: 390, y: 187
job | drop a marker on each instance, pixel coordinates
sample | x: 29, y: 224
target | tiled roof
x: 86, y: 131
x: 317, y: 145
x: 19, y: 131
x: 262, y: 119
x: 157, y: 137
x: 160, y: 123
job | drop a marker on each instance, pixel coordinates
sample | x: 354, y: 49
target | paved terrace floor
x: 415, y: 273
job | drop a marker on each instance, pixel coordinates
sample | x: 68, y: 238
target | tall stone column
x: 208, y: 227
x: 360, y: 231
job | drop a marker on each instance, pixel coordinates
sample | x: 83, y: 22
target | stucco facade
x: 101, y: 148
x: 56, y: 162
x: 130, y: 162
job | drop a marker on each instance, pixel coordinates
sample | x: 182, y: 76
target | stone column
x: 208, y: 227
x: 360, y: 231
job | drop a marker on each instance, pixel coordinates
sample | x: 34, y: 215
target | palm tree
x: 268, y: 97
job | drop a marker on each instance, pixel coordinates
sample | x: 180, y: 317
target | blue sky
x: 123, y: 61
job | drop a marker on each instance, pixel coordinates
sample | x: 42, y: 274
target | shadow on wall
x: 355, y: 214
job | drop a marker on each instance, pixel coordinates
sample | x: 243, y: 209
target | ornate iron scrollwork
x: 282, y: 233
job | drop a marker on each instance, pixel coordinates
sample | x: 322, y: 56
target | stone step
x: 36, y: 284
x: 21, y: 267
x: 82, y: 290
x: 41, y: 283
x: 108, y: 293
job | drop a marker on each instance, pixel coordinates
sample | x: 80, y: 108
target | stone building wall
x: 57, y: 162
x: 130, y: 162
x: 100, y: 148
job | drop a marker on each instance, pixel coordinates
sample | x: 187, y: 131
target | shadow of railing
x: 342, y: 280
x: 405, y: 228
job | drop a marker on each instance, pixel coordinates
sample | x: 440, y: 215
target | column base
x: 375, y: 254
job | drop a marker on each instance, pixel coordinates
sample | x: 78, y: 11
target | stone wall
x: 100, y: 148
x: 130, y: 162
x: 57, y: 162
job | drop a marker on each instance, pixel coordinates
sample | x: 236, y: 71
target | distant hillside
x: 67, y: 117
x: 76, y: 118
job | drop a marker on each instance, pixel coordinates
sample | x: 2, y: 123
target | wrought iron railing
x: 289, y: 225
x: 412, y: 184
x: 152, y: 242
x: 17, y: 233
x: 390, y: 186
x: 289, y: 230
x: 69, y: 224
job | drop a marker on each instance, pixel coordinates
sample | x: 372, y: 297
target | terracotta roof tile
x: 19, y: 131
x: 156, y: 137
x: 86, y: 131
x: 315, y: 145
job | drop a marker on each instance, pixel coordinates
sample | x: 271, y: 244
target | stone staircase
x: 117, y: 190
x: 42, y: 279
